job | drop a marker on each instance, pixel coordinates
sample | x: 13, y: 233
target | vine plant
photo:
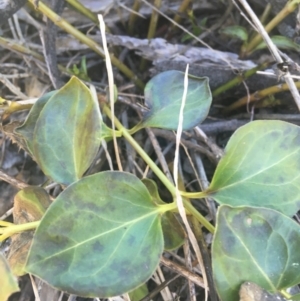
x: 105, y: 233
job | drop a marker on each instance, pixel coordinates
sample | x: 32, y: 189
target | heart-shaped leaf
x: 9, y: 283
x: 254, y: 244
x: 101, y: 237
x: 30, y: 204
x: 261, y: 167
x: 66, y: 135
x: 163, y: 96
x: 26, y: 130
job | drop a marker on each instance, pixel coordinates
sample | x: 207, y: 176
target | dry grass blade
x: 179, y: 201
x: 273, y: 50
x: 111, y: 87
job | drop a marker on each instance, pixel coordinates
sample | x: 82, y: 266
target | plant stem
x: 239, y: 79
x: 63, y: 24
x: 10, y: 230
x: 133, y: 16
x: 167, y: 207
x: 82, y: 9
x: 151, y: 29
x: 289, y: 8
x: 256, y: 96
x: 5, y: 224
x: 191, y: 209
x: 200, y: 218
x: 195, y: 195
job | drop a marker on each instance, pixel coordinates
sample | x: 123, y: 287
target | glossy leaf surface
x: 101, y: 237
x: 26, y: 130
x: 261, y: 167
x: 254, y: 244
x: 9, y: 283
x: 30, y: 204
x: 65, y: 136
x: 163, y: 96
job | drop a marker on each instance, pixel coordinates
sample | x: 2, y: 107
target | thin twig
x: 12, y: 181
x: 273, y: 49
x: 183, y: 271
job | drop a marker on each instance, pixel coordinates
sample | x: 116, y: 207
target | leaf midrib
x: 156, y: 211
x: 253, y: 175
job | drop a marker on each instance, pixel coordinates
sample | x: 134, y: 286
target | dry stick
x: 196, y: 147
x: 289, y: 8
x: 21, y: 49
x: 152, y: 28
x: 63, y: 24
x: 161, y: 158
x: 183, y: 271
x: 258, y: 95
x: 189, y: 265
x: 159, y: 288
x: 273, y: 49
x: 12, y: 181
x: 186, y: 31
x: 206, y: 258
x: 183, y: 7
x: 133, y: 16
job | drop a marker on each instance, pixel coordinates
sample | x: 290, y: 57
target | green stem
x: 285, y: 294
x: 289, y: 8
x: 239, y: 79
x: 167, y: 207
x: 133, y: 16
x: 256, y: 96
x: 11, y: 230
x: 200, y: 218
x: 82, y: 9
x: 172, y: 189
x: 195, y: 195
x: 141, y: 152
x: 5, y: 224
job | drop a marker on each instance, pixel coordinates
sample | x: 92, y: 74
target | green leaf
x: 173, y: 231
x: 9, y: 283
x: 30, y: 204
x: 65, y: 137
x: 163, y: 96
x: 254, y: 244
x: 139, y: 293
x: 26, y: 130
x: 174, y: 234
x: 153, y: 190
x: 102, y: 237
x: 281, y: 42
x: 261, y: 167
x: 238, y: 32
